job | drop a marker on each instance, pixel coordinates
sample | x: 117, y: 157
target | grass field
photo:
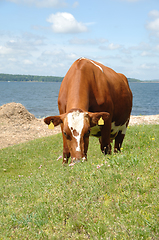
x: 107, y: 197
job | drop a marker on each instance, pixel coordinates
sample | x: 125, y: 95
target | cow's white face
x: 75, y: 121
x: 76, y: 128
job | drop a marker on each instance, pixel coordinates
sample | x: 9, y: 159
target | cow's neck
x: 78, y: 105
x: 79, y: 98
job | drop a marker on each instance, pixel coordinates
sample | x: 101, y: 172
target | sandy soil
x: 17, y: 125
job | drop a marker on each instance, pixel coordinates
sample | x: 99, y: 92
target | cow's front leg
x: 118, y: 141
x: 105, y: 140
x: 66, y: 151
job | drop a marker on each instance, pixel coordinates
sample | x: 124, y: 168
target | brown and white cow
x: 95, y: 101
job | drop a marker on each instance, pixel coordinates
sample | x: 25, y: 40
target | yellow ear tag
x: 51, y: 125
x: 101, y: 121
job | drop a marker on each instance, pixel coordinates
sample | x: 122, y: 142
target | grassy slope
x: 108, y: 197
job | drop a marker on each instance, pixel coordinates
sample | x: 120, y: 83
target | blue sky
x: 44, y: 37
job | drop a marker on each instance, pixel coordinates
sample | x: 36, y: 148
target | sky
x: 44, y: 37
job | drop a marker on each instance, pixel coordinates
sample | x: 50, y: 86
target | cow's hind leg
x: 120, y: 137
x: 105, y: 140
x: 118, y: 141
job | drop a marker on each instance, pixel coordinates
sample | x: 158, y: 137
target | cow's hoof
x: 107, y: 150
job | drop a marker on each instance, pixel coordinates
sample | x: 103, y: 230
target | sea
x: 40, y: 98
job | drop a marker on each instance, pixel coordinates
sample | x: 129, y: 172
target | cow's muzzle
x: 76, y: 160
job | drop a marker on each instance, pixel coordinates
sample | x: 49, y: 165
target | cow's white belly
x: 115, y: 129
x: 96, y: 131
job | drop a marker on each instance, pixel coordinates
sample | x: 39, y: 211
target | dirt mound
x: 15, y: 112
x: 18, y: 125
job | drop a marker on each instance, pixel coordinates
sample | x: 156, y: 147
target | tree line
x: 28, y: 78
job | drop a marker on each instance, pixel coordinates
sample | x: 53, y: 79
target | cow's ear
x: 56, y: 120
x: 98, y: 118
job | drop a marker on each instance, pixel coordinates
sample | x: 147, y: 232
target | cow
x: 93, y: 100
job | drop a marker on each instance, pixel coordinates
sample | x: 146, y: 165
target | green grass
x: 107, y: 197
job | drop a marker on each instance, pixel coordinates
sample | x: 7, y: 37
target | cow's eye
x: 66, y: 135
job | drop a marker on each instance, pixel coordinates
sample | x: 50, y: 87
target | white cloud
x: 142, y: 46
x: 154, y: 13
x: 90, y: 41
x: 157, y: 47
x: 4, y: 50
x: 146, y: 66
x: 12, y: 59
x: 56, y: 61
x: 57, y: 55
x: 150, y: 53
x: 25, y: 43
x: 72, y: 56
x: 63, y: 22
x: 153, y: 25
x: 75, y: 4
x: 27, y: 62
x: 113, y: 46
x: 41, y: 3
x: 145, y: 53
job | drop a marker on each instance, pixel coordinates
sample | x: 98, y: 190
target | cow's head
x: 76, y: 129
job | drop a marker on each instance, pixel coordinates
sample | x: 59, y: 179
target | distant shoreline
x: 61, y: 81
x: 35, y: 78
x: 28, y: 78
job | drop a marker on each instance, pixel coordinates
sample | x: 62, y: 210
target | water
x: 41, y: 98
x: 145, y: 98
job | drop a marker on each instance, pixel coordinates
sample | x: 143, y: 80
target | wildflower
x: 98, y: 166
x: 153, y: 139
x: 40, y: 166
x: 59, y: 158
x: 71, y: 164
